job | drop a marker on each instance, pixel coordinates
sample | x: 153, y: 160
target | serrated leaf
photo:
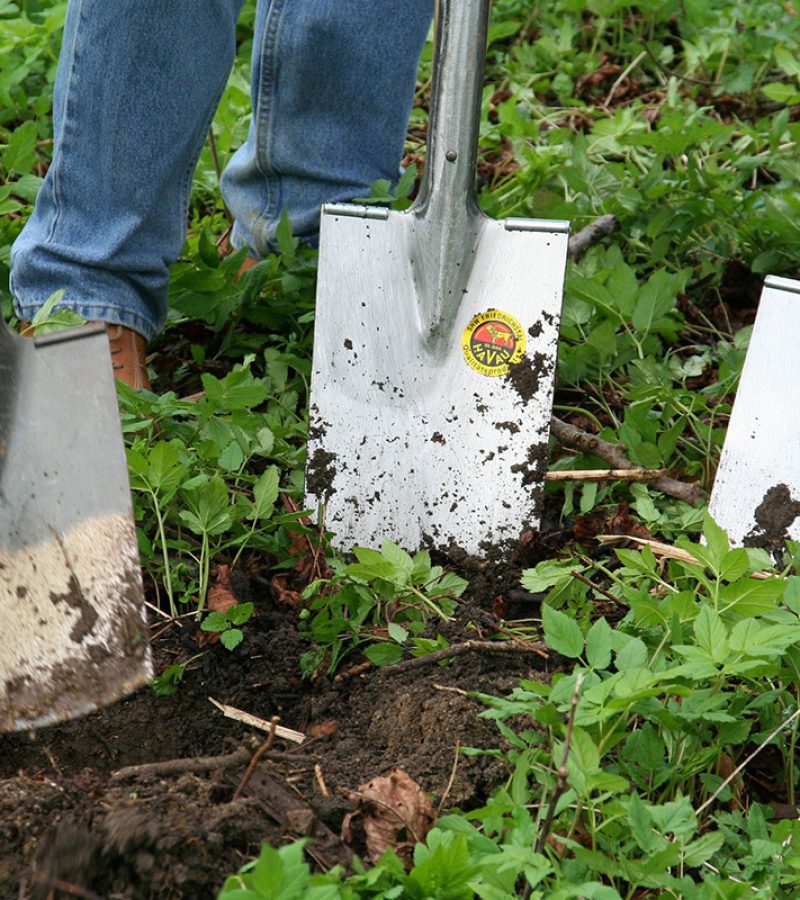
x: 598, y: 645
x: 561, y: 632
x: 711, y: 634
x: 239, y: 613
x: 214, y: 621
x: 384, y: 654
x: 397, y: 632
x: 231, y: 638
x: 398, y: 557
x: 265, y: 493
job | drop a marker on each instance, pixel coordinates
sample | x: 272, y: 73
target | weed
x: 386, y: 593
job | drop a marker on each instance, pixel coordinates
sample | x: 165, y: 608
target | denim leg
x: 332, y: 84
x: 137, y: 86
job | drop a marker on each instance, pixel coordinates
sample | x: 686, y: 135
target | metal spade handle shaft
x: 454, y: 119
x: 446, y: 214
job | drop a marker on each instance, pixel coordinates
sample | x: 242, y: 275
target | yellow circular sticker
x: 492, y: 342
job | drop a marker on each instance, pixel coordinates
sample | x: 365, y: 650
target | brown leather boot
x: 127, y: 354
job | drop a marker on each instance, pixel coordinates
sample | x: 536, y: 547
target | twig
x: 419, y: 662
x: 183, y: 766
x: 450, y: 781
x: 561, y: 779
x: 451, y: 690
x: 636, y: 474
x: 267, y: 745
x: 587, y: 237
x: 239, y: 715
x: 747, y: 762
x: 623, y: 75
x: 212, y: 146
x: 321, y: 781
x: 614, y: 455
x: 600, y: 590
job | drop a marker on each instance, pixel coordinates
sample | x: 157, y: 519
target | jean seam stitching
x: 59, y: 151
x: 266, y: 106
x: 185, y: 192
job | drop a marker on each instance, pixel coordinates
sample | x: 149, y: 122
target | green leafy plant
x: 226, y: 624
x: 386, y: 593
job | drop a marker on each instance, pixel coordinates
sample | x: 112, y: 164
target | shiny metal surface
x: 411, y: 436
x: 756, y: 494
x: 71, y: 602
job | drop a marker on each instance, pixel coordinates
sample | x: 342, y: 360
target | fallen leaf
x: 393, y: 811
x: 220, y: 595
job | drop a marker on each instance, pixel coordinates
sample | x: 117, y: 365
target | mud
x: 774, y: 516
x: 67, y: 819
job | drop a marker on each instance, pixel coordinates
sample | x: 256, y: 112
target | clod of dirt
x: 774, y: 516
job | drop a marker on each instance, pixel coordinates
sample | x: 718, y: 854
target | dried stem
x: 561, y: 779
x: 614, y: 454
x: 467, y: 647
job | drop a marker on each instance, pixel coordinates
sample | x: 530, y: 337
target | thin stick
x: 419, y: 662
x: 614, y: 454
x: 590, y: 235
x: 451, y: 690
x: 452, y: 778
x: 747, y: 762
x: 239, y: 715
x: 637, y: 474
x: 248, y: 773
x: 561, y: 779
x: 157, y: 610
x: 607, y: 594
x: 623, y: 75
x: 212, y: 146
x: 183, y: 766
x: 321, y: 781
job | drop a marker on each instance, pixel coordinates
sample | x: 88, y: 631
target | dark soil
x: 70, y: 827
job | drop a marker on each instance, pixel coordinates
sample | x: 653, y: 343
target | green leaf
x: 20, y: 154
x: 717, y: 542
x: 402, y: 562
x: 711, y: 635
x: 561, y: 632
x: 265, y: 493
x: 384, y: 654
x: 656, y: 299
x: 598, y: 645
x: 632, y: 656
x: 397, y: 633
x: 214, y: 621
x: 239, y: 613
x: 232, y: 638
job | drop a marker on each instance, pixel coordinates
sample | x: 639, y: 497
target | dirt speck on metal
x: 526, y: 375
x: 774, y: 516
x: 320, y: 473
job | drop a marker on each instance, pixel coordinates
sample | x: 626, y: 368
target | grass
x: 649, y: 767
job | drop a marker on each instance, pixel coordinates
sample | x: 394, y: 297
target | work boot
x: 127, y: 354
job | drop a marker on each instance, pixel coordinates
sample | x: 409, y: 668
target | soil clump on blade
x: 192, y: 810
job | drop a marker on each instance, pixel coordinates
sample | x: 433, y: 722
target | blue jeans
x: 137, y: 87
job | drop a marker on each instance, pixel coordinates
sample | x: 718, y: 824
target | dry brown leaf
x: 220, y: 595
x: 393, y: 811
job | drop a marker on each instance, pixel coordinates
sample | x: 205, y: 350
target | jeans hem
x: 97, y: 312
